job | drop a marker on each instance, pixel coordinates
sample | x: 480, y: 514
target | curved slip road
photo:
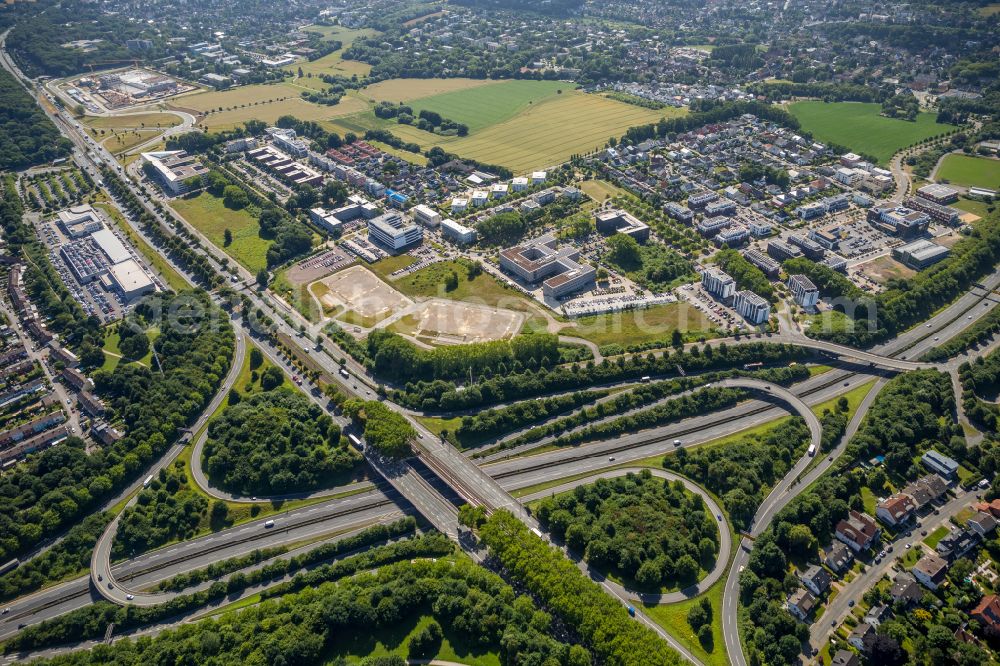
x: 773, y: 503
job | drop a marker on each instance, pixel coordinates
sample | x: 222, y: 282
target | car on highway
x: 677, y: 442
x: 111, y: 586
x: 268, y: 523
x: 851, y: 603
x: 5, y: 611
x: 718, y: 516
x: 611, y: 458
x: 130, y: 597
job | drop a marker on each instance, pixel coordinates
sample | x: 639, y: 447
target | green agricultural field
x: 406, y: 90
x: 970, y: 171
x: 484, y: 106
x: 522, y: 125
x: 208, y: 214
x: 860, y: 128
x: 130, y: 120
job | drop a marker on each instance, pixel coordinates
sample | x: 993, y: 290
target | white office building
x: 752, y: 307
x: 718, y: 283
x: 459, y: 233
x: 803, y: 291
x: 394, y: 231
x: 426, y: 215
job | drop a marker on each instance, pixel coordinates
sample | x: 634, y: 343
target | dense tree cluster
x: 27, y: 136
x: 274, y: 443
x: 396, y: 359
x: 467, y: 603
x: 169, y: 509
x: 601, y: 621
x: 747, y: 275
x: 654, y: 266
x: 645, y: 529
x: 70, y: 555
x: 509, y: 386
x: 385, y: 429
x: 828, y: 92
x: 981, y: 379
x: 496, y: 421
x: 57, y: 487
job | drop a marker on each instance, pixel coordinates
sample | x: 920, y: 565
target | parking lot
x: 105, y: 304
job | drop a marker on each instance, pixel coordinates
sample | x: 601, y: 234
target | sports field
x: 209, y: 215
x: 860, y: 128
x: 970, y: 171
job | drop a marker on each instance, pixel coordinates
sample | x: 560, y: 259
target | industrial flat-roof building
x: 622, y: 222
x: 920, y: 253
x: 130, y: 279
x: 78, y: 221
x: 752, y: 307
x: 541, y: 260
x: 899, y: 220
x: 173, y: 169
x: 939, y: 194
x: 394, y: 231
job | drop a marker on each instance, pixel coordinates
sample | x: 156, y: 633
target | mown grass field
x: 405, y: 90
x: 522, y: 125
x: 117, y: 143
x: 209, y: 215
x: 970, y: 171
x: 638, y: 326
x: 860, y: 127
x: 225, y: 109
x: 147, y: 120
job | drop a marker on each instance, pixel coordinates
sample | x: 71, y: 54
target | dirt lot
x: 365, y: 297
x: 886, y: 268
x: 440, y: 321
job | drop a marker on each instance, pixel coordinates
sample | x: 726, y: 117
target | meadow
x: 406, y: 90
x: 970, y: 171
x: 133, y: 120
x: 333, y: 63
x: 860, y: 128
x: 210, y: 216
x: 522, y: 125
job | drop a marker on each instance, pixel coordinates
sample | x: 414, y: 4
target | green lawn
x: 860, y: 128
x: 934, y: 537
x: 673, y: 618
x: 869, y: 500
x: 974, y: 206
x: 970, y: 171
x: 208, y: 214
x: 639, y: 326
x: 483, y: 289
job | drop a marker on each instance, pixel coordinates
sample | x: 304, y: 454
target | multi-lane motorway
x: 490, y: 486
